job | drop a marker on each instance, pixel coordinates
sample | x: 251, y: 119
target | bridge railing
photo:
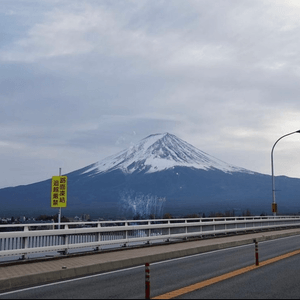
x: 24, y: 239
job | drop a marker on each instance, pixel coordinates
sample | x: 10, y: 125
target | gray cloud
x: 78, y: 78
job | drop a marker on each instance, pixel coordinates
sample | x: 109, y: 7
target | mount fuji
x: 160, y: 152
x: 161, y: 173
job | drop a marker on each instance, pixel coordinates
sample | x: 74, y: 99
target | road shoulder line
x: 22, y: 276
x: 208, y: 282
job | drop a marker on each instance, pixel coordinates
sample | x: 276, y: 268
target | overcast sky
x: 83, y: 79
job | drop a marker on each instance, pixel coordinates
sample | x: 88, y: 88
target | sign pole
x: 59, y: 212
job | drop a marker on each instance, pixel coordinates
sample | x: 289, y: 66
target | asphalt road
x: 273, y: 281
x: 280, y: 280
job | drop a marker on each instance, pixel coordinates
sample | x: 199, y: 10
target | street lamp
x: 274, y: 205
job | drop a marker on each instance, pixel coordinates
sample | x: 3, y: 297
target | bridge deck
x: 40, y: 272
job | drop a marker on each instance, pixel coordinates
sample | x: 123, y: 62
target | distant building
x: 85, y: 217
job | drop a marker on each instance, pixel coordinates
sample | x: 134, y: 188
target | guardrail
x: 24, y: 239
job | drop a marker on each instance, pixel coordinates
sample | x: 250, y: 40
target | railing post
x: 147, y: 281
x: 66, y: 238
x: 169, y: 232
x: 25, y: 241
x: 25, y: 246
x: 98, y: 237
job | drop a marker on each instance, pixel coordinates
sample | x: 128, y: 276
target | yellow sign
x: 59, y: 191
x: 274, y: 207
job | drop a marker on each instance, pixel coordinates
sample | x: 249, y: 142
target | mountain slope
x: 160, y: 174
x: 160, y: 152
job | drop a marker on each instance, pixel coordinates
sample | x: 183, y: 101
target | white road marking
x: 137, y: 267
x: 118, y: 271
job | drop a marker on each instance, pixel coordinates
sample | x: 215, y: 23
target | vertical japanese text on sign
x: 59, y: 191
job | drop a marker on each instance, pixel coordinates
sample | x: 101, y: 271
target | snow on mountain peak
x: 159, y: 152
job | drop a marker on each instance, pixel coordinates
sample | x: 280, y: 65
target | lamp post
x: 274, y: 205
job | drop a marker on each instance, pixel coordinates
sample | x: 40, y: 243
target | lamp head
x: 298, y: 131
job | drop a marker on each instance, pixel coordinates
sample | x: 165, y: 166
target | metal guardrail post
x: 66, y: 240
x: 25, y: 241
x: 25, y: 246
x: 98, y: 237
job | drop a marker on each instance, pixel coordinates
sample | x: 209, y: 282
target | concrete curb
x: 70, y: 273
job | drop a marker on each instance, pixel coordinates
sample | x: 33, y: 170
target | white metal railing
x: 24, y: 239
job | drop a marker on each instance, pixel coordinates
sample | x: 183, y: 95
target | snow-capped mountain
x: 160, y: 152
x: 161, y: 173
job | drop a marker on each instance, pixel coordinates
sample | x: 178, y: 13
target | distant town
x: 45, y: 219
x: 87, y: 217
